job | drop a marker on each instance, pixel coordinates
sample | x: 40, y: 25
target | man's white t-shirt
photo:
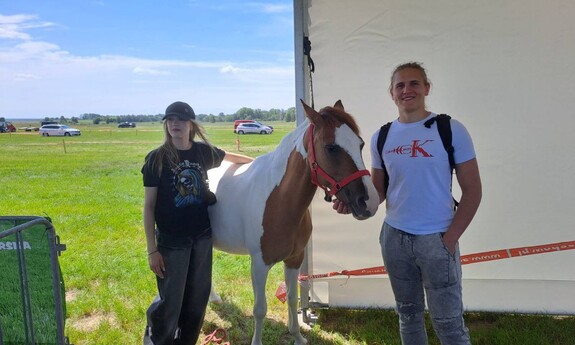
x: 419, y: 199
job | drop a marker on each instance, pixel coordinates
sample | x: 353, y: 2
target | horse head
x: 334, y: 156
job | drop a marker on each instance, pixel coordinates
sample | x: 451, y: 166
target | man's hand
x: 340, y: 207
x: 450, y: 242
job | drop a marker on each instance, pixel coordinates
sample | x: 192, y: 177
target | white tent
x: 506, y: 70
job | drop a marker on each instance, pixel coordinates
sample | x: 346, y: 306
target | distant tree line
x: 63, y: 119
x: 288, y: 115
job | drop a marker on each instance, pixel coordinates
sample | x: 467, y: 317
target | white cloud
x: 230, y: 69
x: 14, y: 26
x: 254, y: 6
x: 260, y: 75
x: 25, y: 76
x: 32, y: 50
x: 273, y: 8
x: 149, y: 71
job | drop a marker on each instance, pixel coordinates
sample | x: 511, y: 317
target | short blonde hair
x: 413, y: 65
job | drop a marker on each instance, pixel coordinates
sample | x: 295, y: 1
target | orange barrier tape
x: 465, y: 259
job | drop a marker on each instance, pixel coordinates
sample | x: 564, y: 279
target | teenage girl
x: 177, y: 226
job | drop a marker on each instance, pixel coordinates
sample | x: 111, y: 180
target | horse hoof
x: 216, y: 300
x: 300, y: 341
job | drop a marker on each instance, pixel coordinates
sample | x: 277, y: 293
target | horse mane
x: 341, y: 116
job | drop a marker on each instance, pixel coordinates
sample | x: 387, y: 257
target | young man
x: 420, y: 233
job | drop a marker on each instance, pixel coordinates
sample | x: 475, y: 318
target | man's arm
x: 468, y: 178
x: 378, y: 179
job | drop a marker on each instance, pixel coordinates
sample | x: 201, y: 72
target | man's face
x: 408, y: 90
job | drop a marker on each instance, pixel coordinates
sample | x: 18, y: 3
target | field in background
x: 91, y: 187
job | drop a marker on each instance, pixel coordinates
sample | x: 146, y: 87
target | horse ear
x: 339, y: 105
x: 311, y: 114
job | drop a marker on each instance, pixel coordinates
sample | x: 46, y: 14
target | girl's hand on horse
x: 156, y: 263
x: 340, y: 207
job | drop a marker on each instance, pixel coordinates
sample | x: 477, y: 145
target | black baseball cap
x: 180, y: 109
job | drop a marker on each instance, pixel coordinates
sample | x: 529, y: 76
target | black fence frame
x: 56, y: 248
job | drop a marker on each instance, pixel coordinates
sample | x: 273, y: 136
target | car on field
x: 7, y: 127
x: 253, y: 127
x: 58, y: 130
x: 264, y: 125
x: 126, y: 125
x: 238, y: 122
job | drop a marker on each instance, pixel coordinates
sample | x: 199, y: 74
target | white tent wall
x: 506, y: 70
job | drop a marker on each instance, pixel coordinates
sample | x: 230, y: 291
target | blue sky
x: 116, y: 57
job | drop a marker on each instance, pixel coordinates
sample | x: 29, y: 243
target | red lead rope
x: 212, y: 338
x: 334, y: 186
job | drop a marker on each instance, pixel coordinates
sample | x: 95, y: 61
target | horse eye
x: 332, y: 149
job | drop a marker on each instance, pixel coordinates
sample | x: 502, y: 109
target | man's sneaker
x: 147, y: 334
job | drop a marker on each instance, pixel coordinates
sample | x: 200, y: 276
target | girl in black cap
x: 177, y: 226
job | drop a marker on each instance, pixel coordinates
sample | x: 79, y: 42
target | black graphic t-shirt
x: 181, y: 210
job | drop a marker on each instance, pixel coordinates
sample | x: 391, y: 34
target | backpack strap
x: 380, y: 142
x: 444, y: 129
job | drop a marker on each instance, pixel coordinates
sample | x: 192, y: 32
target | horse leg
x: 259, y: 277
x: 214, y: 297
x: 291, y: 277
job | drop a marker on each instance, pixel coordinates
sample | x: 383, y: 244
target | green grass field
x: 91, y: 187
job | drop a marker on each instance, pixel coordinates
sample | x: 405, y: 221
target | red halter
x: 334, y: 186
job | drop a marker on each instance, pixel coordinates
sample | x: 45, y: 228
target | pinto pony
x: 262, y: 207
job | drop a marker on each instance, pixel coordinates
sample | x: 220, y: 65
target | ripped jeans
x: 418, y: 263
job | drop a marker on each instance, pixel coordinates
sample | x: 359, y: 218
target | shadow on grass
x: 365, y: 326
x: 240, y: 327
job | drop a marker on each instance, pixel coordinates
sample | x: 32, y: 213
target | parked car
x: 253, y: 127
x: 50, y: 130
x: 126, y: 125
x: 238, y: 122
x: 264, y: 125
x: 7, y: 127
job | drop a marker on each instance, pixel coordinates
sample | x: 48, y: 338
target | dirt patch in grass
x: 91, y: 322
x: 71, y: 295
